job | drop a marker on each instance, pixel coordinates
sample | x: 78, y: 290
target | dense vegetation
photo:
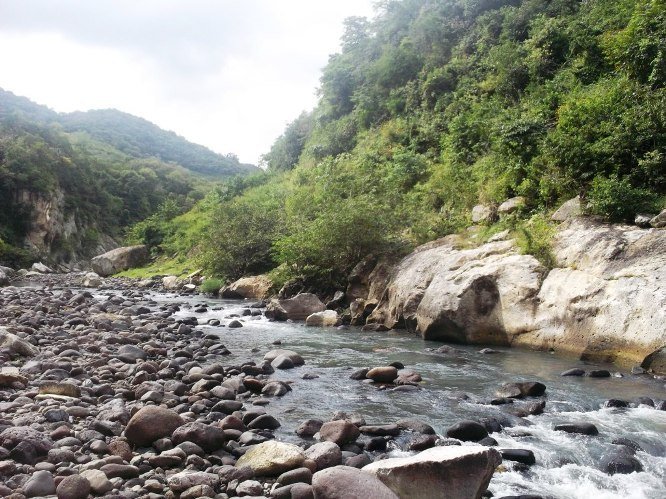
x: 437, y: 105
x: 106, y: 189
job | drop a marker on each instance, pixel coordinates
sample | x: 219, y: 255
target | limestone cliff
x: 606, y: 299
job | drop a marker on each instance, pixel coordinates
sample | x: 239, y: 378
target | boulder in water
x: 441, y: 472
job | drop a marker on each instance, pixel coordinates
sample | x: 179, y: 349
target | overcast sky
x: 228, y: 74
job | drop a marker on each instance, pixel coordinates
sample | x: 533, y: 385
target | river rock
x: 384, y: 374
x: 580, y: 428
x: 309, y: 428
x: 295, y: 358
x: 120, y: 259
x: 272, y: 458
x: 324, y: 454
x: 41, y: 268
x: 151, y: 423
x: 524, y: 456
x: 26, y: 445
x: 340, y: 432
x: 99, y: 482
x: 440, y: 472
x: 210, y: 438
x: 73, y: 487
x: 297, y: 308
x: 41, y: 483
x: 345, y: 481
x: 171, y: 283
x: 184, y: 480
x: 467, y: 431
x: 92, y: 280
x: 15, y: 345
x: 256, y: 287
x: 327, y: 318
x: 621, y: 460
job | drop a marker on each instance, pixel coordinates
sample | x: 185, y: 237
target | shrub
x: 617, y: 200
x: 534, y: 237
x: 211, y: 286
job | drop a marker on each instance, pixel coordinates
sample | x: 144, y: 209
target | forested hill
x: 132, y: 135
x: 70, y: 185
x: 435, y: 106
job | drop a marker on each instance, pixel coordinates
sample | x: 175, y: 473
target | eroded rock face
x: 257, y: 287
x: 608, y: 301
x: 119, y: 259
x: 450, y: 472
x: 481, y: 295
x: 605, y: 301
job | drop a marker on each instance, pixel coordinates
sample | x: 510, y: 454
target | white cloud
x: 226, y: 74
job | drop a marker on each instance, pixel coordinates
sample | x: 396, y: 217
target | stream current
x: 567, y: 465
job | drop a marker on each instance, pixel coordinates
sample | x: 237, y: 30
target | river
x: 454, y: 387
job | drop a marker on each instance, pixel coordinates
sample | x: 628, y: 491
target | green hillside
x: 435, y: 106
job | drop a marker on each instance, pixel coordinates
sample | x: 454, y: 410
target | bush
x: 534, y: 237
x: 617, y: 200
x: 211, y: 286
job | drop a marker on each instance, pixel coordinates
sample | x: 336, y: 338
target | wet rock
x: 620, y: 461
x: 467, y: 431
x: 309, y: 428
x: 293, y: 356
x: 519, y: 390
x: 523, y: 456
x: 73, y: 487
x: 422, y: 442
x: 324, y: 454
x: 384, y: 374
x: 599, y: 373
x: 381, y: 430
x: 151, y: 423
x: 616, y: 403
x: 264, y: 422
x: 574, y: 372
x: 359, y: 374
x: 580, y: 428
x: 415, y: 426
x: 441, y: 472
x: 235, y: 324
x: 282, y: 362
x: 339, y: 432
x: 345, y: 481
x: 272, y: 458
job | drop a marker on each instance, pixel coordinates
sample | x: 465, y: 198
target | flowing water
x: 567, y: 465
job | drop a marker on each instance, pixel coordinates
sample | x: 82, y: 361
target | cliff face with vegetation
x: 71, y: 184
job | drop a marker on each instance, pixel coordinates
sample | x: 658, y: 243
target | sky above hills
x: 228, y: 74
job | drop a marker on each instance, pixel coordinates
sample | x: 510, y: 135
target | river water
x: 567, y: 465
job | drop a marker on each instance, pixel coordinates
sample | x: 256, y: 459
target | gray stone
x: 345, y: 481
x: 120, y: 259
x: 41, y: 483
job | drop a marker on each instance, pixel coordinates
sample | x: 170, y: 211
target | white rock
x: 448, y: 472
x: 257, y: 287
x: 511, y: 205
x: 483, y: 213
x: 92, y: 280
x: 41, y: 268
x: 326, y: 318
x: 171, y: 282
x: 569, y: 209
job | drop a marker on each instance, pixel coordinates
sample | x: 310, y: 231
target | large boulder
x: 340, y: 432
x: 345, y: 481
x: 257, y: 287
x: 479, y: 295
x: 210, y: 438
x: 120, y: 259
x: 451, y: 472
x: 297, y: 308
x: 511, y: 205
x: 92, y: 280
x: 41, y: 268
x: 272, y: 458
x: 483, y: 213
x: 151, y: 423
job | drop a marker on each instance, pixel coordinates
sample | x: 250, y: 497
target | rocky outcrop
x: 120, y: 259
x: 257, y: 287
x: 606, y: 300
x: 480, y: 295
x: 449, y: 472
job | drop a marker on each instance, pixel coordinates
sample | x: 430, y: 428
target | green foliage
x: 616, y: 199
x: 211, y: 286
x: 11, y: 256
x: 534, y: 237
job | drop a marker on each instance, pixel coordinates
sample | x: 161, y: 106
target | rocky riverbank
x: 110, y: 395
